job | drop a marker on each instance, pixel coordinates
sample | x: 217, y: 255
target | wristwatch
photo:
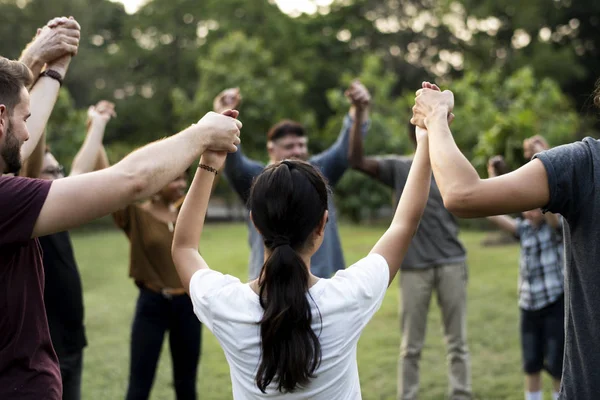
x: 50, y: 73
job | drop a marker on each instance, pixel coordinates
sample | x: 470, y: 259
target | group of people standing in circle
x: 292, y: 330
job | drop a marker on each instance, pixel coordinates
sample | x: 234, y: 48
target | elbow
x: 459, y: 202
x: 137, y: 183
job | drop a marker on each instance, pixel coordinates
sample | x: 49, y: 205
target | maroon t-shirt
x: 28, y: 363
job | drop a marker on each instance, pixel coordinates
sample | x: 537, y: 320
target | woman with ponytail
x: 289, y: 334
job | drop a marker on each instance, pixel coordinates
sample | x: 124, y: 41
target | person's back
x: 289, y: 334
x: 341, y: 307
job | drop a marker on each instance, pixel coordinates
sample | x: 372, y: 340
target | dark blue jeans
x: 154, y: 315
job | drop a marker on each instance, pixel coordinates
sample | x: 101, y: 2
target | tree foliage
x: 516, y: 69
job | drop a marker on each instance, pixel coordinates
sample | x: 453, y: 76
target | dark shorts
x: 543, y: 339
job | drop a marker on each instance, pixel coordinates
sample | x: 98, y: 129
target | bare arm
x: 32, y: 168
x: 190, y: 224
x: 101, y: 160
x: 88, y: 155
x: 58, y: 38
x: 356, y: 155
x: 75, y: 200
x: 360, y: 99
x: 395, y: 241
x: 43, y: 97
x: 505, y: 223
x: 468, y: 196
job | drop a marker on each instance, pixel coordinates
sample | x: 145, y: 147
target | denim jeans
x: 154, y: 315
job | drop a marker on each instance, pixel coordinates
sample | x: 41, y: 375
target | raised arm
x: 238, y: 169
x: 88, y: 155
x: 190, y: 221
x: 395, y: 241
x: 334, y: 161
x: 75, y: 200
x: 61, y: 41
x: 464, y: 193
x: 32, y: 168
x: 58, y: 38
x: 360, y: 100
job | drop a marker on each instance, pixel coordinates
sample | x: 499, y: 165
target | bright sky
x: 287, y: 6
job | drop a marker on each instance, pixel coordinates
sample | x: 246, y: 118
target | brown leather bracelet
x: 50, y: 73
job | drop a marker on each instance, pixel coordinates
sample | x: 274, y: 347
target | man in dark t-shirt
x: 27, y: 359
x: 63, y: 294
x: 31, y: 208
x: 562, y: 180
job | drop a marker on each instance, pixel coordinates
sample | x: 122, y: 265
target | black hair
x: 287, y: 202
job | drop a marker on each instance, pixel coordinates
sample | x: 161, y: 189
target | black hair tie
x: 279, y: 241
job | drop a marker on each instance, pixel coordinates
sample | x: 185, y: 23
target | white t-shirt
x: 231, y: 309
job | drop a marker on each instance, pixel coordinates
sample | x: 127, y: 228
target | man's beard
x: 11, y: 153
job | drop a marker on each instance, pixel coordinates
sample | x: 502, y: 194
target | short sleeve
x: 570, y: 171
x: 393, y: 170
x: 124, y: 216
x: 367, y: 280
x: 21, y: 201
x: 204, y: 288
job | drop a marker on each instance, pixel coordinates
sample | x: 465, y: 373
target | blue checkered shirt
x: 541, y: 278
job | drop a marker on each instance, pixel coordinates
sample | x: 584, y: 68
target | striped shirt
x: 541, y: 279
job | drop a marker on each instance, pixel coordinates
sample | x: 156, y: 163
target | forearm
x: 32, y: 168
x: 101, y: 159
x: 454, y: 174
x: 395, y: 241
x: 43, y: 96
x: 190, y: 224
x: 158, y: 163
x: 416, y: 191
x: 87, y: 156
x: 33, y: 63
x: 355, y: 150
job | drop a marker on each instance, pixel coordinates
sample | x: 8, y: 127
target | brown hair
x: 284, y: 128
x: 14, y: 76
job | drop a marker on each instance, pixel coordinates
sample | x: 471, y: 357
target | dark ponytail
x: 287, y: 201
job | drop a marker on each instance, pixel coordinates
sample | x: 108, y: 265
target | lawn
x: 493, y: 320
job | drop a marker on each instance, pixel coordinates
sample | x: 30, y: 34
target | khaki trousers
x: 417, y: 286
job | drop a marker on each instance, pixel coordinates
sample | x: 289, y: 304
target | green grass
x: 492, y: 320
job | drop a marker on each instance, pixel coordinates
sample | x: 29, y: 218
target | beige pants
x: 417, y: 286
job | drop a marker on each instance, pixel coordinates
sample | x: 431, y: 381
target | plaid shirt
x: 541, y: 279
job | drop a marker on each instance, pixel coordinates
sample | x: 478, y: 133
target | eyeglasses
x: 54, y: 171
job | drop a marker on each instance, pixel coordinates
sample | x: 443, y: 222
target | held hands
x: 221, y: 132
x: 534, y: 145
x: 430, y: 99
x: 101, y: 112
x: 359, y: 97
x: 54, y: 44
x: 228, y: 99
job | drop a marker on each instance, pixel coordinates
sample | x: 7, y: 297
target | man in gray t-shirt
x: 562, y: 180
x: 287, y: 139
x: 434, y: 261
